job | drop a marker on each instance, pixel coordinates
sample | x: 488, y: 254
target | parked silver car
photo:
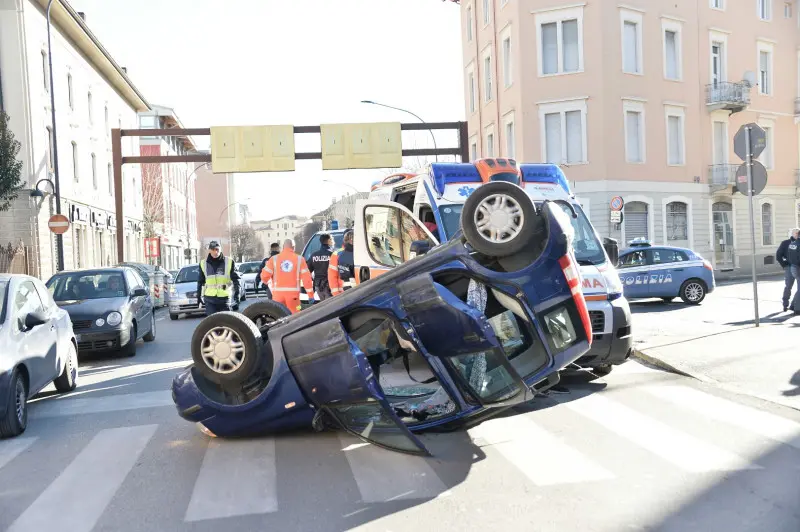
x: 183, y: 294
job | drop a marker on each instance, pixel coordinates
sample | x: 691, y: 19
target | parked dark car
x: 477, y: 325
x: 110, y: 308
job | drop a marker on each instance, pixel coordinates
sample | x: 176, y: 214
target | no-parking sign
x: 617, y: 203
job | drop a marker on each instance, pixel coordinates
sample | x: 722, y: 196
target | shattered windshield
x: 588, y: 250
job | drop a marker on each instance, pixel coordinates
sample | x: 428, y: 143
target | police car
x: 648, y: 271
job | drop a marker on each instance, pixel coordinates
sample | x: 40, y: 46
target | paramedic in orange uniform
x: 287, y: 270
x: 341, y: 269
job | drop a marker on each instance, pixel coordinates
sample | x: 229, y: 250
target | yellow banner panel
x: 359, y: 146
x: 252, y: 149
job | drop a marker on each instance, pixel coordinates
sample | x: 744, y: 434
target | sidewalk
x: 763, y: 362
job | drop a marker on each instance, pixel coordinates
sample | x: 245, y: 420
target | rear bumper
x: 612, y: 341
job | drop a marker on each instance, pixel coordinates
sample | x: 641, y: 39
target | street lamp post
x: 408, y: 112
x: 57, y: 182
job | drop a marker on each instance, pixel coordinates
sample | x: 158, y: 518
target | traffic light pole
x: 752, y: 219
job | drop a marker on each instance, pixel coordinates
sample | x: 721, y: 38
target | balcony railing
x: 727, y: 95
x: 722, y: 175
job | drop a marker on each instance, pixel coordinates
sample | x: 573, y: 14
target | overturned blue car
x: 452, y: 335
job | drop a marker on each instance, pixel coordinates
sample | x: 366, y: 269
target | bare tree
x: 152, y: 198
x: 305, y: 234
x: 245, y: 244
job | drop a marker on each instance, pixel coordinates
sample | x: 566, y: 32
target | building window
x: 634, y: 134
x: 45, y: 72
x: 766, y: 224
x: 105, y: 119
x: 767, y: 157
x: 89, y: 103
x: 469, y: 24
x: 490, y: 141
x: 507, y: 77
x: 675, y: 137
x: 718, y: 61
x: 764, y: 9
x: 110, y: 179
x: 636, y: 220
x: 632, y: 43
x: 75, y: 161
x: 673, y: 51
x: 787, y: 10
x: 561, y: 44
x: 764, y: 71
x: 69, y: 92
x: 677, y: 221
x: 510, y: 139
x: 487, y: 76
x: 717, y: 4
x: 471, y: 89
x: 486, y: 12
x: 50, y: 165
x: 564, y: 132
x: 473, y: 150
x: 94, y: 171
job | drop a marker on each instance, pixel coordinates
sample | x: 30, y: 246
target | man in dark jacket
x: 793, y: 257
x: 783, y: 259
x: 320, y: 260
x: 274, y: 249
x: 217, y: 277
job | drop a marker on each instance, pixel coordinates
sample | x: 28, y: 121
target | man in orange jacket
x: 287, y: 270
x: 341, y: 267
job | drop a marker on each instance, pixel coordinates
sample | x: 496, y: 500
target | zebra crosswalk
x: 109, y: 479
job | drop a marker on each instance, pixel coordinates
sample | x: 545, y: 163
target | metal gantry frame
x: 118, y: 160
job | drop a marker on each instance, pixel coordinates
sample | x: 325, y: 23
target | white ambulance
x: 436, y: 197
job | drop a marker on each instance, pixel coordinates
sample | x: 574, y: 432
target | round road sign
x: 617, y: 203
x: 759, y: 178
x: 58, y: 224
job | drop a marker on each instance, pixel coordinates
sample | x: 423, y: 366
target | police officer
x: 793, y: 256
x: 320, y: 260
x: 341, y: 269
x: 783, y: 260
x: 217, y: 277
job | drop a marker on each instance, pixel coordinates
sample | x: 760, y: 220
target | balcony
x: 721, y: 176
x: 727, y: 95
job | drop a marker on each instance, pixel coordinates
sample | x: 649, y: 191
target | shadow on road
x: 794, y: 381
x: 775, y: 317
x: 655, y: 306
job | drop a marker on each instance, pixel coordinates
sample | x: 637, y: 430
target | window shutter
x: 569, y: 31
x: 549, y: 48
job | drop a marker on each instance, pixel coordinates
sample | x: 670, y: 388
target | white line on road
x: 99, y: 405
x: 76, y: 499
x: 10, y: 449
x: 384, y: 475
x: 679, y: 448
x: 762, y: 423
x: 238, y: 477
x: 539, y: 455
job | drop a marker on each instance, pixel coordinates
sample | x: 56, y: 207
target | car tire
x: 265, y: 311
x: 130, y: 349
x: 68, y: 380
x: 602, y: 371
x: 151, y: 334
x: 515, y: 210
x: 173, y: 317
x: 693, y: 291
x: 226, y: 348
x: 15, y: 421
x: 244, y: 296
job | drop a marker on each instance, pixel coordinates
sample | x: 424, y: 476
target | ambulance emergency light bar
x: 545, y: 173
x: 444, y: 174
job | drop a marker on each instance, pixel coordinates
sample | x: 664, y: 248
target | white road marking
x: 538, y: 454
x: 762, y: 423
x: 10, y: 449
x: 238, y: 477
x: 673, y: 445
x: 633, y: 367
x: 78, y: 496
x: 98, y: 405
x: 383, y: 475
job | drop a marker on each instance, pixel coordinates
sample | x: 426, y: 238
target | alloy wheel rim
x: 499, y: 218
x: 73, y: 366
x: 694, y: 292
x: 223, y: 350
x: 20, y: 401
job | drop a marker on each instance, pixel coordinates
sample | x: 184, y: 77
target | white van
x: 437, y: 197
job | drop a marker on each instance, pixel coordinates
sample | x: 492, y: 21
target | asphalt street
x: 639, y: 449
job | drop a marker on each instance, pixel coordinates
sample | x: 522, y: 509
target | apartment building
x: 641, y: 99
x: 93, y: 94
x: 170, y: 211
x: 278, y: 229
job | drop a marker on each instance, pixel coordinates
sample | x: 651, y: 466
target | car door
x: 138, y: 304
x: 382, y: 237
x: 633, y: 271
x: 39, y: 343
x: 668, y: 270
x: 57, y: 319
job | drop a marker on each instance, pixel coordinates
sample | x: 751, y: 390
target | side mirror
x: 139, y: 292
x: 612, y: 250
x: 34, y: 319
x: 419, y: 247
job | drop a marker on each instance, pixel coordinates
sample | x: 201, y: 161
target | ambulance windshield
x: 451, y: 219
x: 588, y: 250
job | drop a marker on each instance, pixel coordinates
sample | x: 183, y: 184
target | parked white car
x: 38, y: 347
x: 248, y: 271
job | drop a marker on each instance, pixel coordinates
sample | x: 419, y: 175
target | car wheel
x: 602, y: 371
x: 151, y: 335
x: 68, y: 380
x: 130, y: 349
x: 16, y: 419
x: 173, y: 317
x: 266, y: 311
x: 498, y: 219
x: 244, y: 296
x: 226, y: 348
x: 693, y: 291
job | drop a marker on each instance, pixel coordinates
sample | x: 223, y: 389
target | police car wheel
x: 226, y: 348
x: 693, y: 291
x: 266, y: 311
x: 498, y: 219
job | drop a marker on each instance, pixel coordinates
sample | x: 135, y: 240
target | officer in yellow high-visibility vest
x: 217, y: 277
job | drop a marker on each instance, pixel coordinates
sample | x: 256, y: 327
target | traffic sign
x: 758, y: 141
x: 58, y: 224
x: 616, y: 217
x: 759, y: 178
x: 617, y: 203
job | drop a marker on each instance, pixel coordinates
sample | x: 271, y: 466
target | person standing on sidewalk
x: 793, y: 257
x: 783, y: 260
